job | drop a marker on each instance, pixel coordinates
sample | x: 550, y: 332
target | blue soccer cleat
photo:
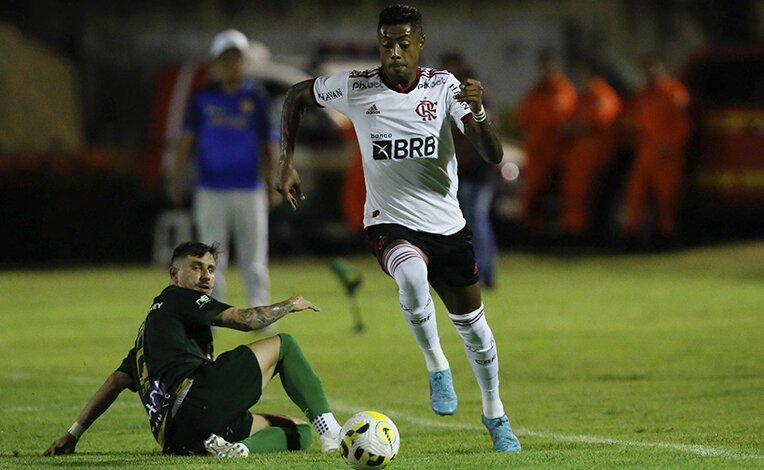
x: 442, y: 396
x: 503, y: 438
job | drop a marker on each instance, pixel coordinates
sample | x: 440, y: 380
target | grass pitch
x: 622, y: 361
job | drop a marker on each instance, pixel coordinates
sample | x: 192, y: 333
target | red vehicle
x: 726, y: 154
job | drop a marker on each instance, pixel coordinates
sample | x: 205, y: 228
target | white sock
x: 405, y: 264
x: 481, y: 352
x: 492, y: 405
x: 326, y: 423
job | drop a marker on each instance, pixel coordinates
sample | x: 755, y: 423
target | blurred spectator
x: 477, y: 184
x: 541, y: 116
x: 661, y: 126
x: 228, y: 123
x: 589, y: 150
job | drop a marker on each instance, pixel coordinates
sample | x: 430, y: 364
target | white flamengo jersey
x: 405, y: 138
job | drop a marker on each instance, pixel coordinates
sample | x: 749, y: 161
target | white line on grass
x: 431, y: 423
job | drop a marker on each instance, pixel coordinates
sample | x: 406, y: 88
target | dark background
x: 96, y: 203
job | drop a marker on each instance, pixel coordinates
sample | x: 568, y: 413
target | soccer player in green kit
x: 198, y: 405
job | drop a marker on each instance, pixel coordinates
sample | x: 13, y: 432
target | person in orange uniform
x: 590, y: 148
x: 661, y: 126
x: 541, y: 117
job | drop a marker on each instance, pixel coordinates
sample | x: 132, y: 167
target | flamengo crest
x: 426, y: 110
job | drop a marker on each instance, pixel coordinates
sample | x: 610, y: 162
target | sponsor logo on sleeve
x: 330, y: 95
x: 202, y: 300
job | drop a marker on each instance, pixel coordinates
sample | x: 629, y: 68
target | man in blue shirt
x: 227, y: 122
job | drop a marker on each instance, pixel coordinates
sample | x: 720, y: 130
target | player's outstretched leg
x: 304, y: 388
x: 279, y: 437
x: 481, y: 352
x: 406, y: 265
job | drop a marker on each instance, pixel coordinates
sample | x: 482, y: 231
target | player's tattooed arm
x: 298, y: 97
x: 254, y: 318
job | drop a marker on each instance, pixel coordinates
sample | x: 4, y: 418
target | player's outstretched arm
x: 480, y: 131
x: 248, y: 319
x: 298, y: 97
x: 98, y: 403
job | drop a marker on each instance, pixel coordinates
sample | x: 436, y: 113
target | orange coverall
x: 659, y: 118
x: 589, y: 152
x: 541, y: 117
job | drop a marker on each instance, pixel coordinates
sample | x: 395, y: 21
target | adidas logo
x: 372, y: 109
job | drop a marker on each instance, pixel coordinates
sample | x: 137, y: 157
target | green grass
x: 623, y: 361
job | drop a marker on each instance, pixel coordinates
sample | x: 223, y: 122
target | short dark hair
x: 400, y: 14
x: 197, y: 249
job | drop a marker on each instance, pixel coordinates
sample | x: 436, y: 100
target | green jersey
x: 173, y: 341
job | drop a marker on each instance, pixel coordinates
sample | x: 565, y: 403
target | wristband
x: 76, y: 430
x: 480, y: 116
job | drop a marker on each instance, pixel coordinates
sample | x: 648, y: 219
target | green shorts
x: 218, y: 402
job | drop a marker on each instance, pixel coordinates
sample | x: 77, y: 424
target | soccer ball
x: 369, y: 440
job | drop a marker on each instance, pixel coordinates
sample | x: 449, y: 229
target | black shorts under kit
x: 451, y: 257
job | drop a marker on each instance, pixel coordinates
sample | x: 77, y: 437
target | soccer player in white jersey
x: 402, y: 114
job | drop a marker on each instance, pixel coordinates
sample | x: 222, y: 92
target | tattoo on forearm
x: 288, y: 131
x: 259, y: 317
x: 290, y: 120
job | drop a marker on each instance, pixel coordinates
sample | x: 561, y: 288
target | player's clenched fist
x: 471, y: 92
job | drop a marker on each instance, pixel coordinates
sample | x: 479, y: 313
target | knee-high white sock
x: 481, y: 352
x: 405, y: 264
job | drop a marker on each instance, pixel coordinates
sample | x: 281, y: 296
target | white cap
x: 229, y: 39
